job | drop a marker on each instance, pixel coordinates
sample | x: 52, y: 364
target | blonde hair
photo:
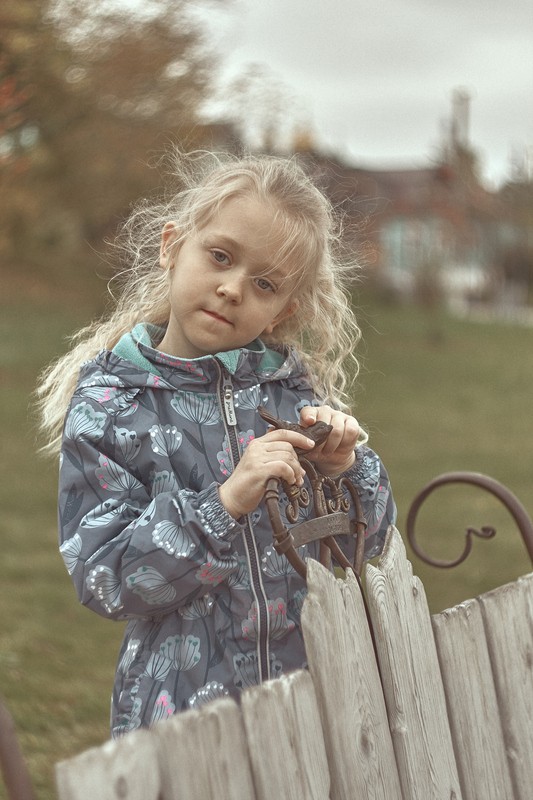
x: 323, y: 329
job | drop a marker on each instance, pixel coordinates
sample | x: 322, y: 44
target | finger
x: 284, y: 456
x: 293, y: 438
x: 291, y: 473
x: 334, y: 441
x: 265, y: 450
x: 308, y: 415
x: 335, y: 420
x: 353, y: 429
x: 327, y: 414
x: 343, y: 435
x: 266, y: 446
x: 276, y: 451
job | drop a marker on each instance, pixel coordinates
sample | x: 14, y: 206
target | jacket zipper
x: 230, y: 424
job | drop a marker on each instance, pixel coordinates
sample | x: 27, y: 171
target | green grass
x: 56, y: 659
x: 437, y: 394
x: 441, y: 394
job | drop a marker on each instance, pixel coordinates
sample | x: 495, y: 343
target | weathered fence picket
x: 204, y: 754
x: 447, y: 714
x: 412, y: 683
x: 287, y: 750
x: 126, y: 768
x: 346, y: 678
x: 508, y: 619
x: 472, y: 705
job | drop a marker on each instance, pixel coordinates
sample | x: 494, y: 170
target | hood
x: 134, y: 363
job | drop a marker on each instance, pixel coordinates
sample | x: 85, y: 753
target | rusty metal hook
x: 324, y: 527
x: 494, y: 487
x: 331, y: 513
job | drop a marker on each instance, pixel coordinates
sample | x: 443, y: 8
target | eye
x: 220, y: 257
x: 265, y: 284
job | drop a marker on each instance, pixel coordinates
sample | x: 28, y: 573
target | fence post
x: 471, y: 699
x: 345, y: 675
x: 412, y: 682
x: 125, y: 768
x: 204, y: 754
x: 285, y: 739
x: 508, y: 619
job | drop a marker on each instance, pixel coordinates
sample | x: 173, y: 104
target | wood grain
x: 411, y: 677
x: 344, y: 671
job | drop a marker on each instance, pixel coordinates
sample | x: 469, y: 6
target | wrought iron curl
x: 330, y: 507
x: 287, y: 541
x: 317, y: 481
x: 337, y: 499
x: 296, y: 500
x: 494, y: 487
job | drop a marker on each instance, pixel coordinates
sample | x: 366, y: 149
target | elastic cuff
x: 355, y: 472
x: 365, y: 473
x: 214, y: 517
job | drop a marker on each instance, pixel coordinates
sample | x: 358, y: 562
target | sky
x: 373, y: 81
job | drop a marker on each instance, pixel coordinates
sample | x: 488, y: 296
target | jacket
x: 211, y: 608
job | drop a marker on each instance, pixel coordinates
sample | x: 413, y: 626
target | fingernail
x: 311, y: 442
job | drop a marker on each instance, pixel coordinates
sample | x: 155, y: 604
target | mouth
x: 216, y: 316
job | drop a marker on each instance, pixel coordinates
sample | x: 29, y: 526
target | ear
x: 167, y: 253
x: 287, y: 312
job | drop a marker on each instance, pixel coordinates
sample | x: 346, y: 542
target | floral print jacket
x: 211, y: 607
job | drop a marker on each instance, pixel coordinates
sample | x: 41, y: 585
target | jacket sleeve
x: 131, y: 549
x: 372, y: 482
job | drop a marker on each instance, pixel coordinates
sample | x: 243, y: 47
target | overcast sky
x: 374, y: 79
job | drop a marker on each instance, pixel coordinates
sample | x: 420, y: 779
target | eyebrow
x: 221, y: 238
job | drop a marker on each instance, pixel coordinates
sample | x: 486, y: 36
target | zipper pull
x: 229, y: 408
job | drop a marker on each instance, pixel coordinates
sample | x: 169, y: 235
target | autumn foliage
x: 90, y: 94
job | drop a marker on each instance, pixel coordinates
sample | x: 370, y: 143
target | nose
x: 231, y: 287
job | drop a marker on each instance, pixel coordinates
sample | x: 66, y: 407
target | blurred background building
x: 91, y: 96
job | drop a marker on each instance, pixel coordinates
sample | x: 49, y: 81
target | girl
x: 233, y: 299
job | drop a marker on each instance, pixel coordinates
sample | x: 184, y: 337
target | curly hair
x: 323, y: 329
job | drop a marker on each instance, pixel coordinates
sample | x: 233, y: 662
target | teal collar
x: 127, y: 347
x: 145, y: 334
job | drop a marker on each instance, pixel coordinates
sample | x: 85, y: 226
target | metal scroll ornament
x: 330, y: 498
x: 494, y: 487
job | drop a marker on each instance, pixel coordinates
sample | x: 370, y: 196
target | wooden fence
x: 445, y: 710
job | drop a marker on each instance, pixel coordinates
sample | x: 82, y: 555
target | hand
x: 268, y: 456
x: 337, y: 454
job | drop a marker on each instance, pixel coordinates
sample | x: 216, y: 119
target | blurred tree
x: 87, y: 92
x: 264, y: 109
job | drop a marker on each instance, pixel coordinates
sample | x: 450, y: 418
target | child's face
x: 225, y: 288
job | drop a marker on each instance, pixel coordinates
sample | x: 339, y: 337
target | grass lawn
x: 440, y: 394
x: 436, y: 394
x: 56, y: 661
